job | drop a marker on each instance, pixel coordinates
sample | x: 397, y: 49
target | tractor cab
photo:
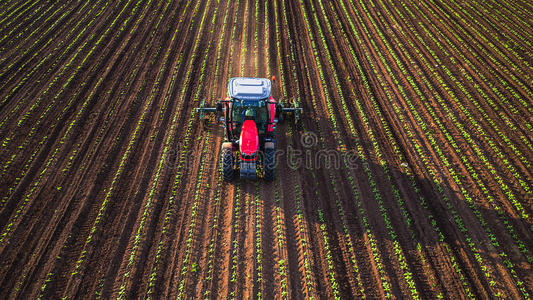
x: 242, y: 110
x: 249, y: 100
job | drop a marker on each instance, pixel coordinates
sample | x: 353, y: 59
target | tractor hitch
x: 295, y: 109
x: 204, y: 110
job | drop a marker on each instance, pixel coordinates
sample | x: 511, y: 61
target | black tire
x: 227, y: 164
x: 269, y: 164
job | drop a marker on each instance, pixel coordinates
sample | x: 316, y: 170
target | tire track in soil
x: 300, y: 262
x: 208, y: 162
x: 222, y: 284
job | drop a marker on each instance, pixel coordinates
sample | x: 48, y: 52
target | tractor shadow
x: 429, y: 207
x: 328, y: 185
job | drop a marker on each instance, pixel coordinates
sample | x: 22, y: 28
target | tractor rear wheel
x: 227, y: 163
x: 269, y: 163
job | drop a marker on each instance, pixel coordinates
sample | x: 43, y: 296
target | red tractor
x: 249, y: 116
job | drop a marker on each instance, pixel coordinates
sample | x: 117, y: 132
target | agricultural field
x: 110, y: 188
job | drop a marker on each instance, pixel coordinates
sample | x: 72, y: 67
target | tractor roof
x: 249, y: 88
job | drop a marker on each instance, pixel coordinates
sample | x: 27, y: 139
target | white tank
x: 249, y: 88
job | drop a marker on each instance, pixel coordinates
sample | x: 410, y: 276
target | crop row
x: 349, y: 245
x: 400, y: 256
x: 445, y: 161
x: 507, y: 15
x: 394, y: 145
x: 24, y: 145
x: 302, y: 230
x: 11, y: 4
x: 12, y: 17
x: 215, y: 221
x: 236, y: 231
x: 186, y: 139
x: 180, y: 161
x: 475, y: 176
x: 506, y: 84
x: 116, y: 176
x: 17, y: 50
x: 186, y: 266
x: 280, y: 238
x: 34, y: 128
x: 37, y: 44
x: 334, y: 285
x: 396, y: 193
x: 424, y: 126
x: 36, y: 17
x: 491, y: 235
x: 257, y: 221
x: 59, y: 58
x: 488, y: 100
x: 486, y: 53
x: 234, y: 256
x: 36, y: 182
x: 500, y: 46
x: 104, y: 126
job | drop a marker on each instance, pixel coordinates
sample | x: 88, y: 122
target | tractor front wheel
x: 269, y: 163
x: 227, y: 162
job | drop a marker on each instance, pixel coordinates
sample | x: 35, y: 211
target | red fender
x: 272, y: 110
